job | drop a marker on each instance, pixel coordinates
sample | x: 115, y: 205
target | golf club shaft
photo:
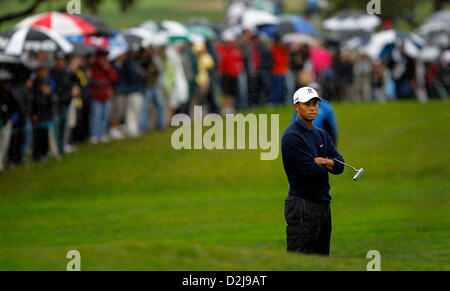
x: 346, y: 165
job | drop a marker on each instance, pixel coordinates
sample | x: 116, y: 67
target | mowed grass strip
x: 140, y: 205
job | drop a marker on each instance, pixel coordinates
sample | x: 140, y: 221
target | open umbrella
x: 138, y: 35
x: 352, y: 19
x: 382, y: 44
x: 295, y: 24
x: 17, y: 67
x: 150, y: 25
x: 16, y: 41
x: 115, y: 45
x: 436, y: 29
x: 442, y: 16
x: 102, y: 28
x: 205, y: 31
x: 252, y: 18
x: 175, y: 30
x: 63, y: 23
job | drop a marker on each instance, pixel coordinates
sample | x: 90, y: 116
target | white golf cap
x: 305, y: 94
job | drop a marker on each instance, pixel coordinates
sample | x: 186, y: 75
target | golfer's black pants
x: 308, y: 226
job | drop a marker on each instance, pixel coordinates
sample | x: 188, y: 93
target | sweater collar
x: 302, y: 124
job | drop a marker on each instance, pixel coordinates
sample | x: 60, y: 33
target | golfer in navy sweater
x: 308, y: 154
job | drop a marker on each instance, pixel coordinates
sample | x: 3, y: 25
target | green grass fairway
x: 140, y: 205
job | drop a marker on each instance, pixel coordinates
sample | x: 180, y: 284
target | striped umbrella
x: 16, y: 41
x: 66, y: 24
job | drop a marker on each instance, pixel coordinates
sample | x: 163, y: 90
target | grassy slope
x: 138, y: 204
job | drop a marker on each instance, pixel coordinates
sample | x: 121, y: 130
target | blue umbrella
x: 295, y: 24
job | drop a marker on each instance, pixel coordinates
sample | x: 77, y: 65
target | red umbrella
x: 63, y: 23
x: 321, y: 58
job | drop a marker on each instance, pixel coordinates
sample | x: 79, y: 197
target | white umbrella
x: 150, y: 25
x: 430, y: 54
x: 235, y: 12
x: 17, y: 41
x: 387, y: 40
x: 349, y: 20
x: 138, y: 34
x: 174, y: 27
x: 253, y: 18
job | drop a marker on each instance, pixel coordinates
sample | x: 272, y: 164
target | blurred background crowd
x: 67, y: 79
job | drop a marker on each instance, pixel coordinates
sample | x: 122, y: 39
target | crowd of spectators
x: 70, y: 99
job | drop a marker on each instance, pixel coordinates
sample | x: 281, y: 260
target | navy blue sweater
x: 299, y: 147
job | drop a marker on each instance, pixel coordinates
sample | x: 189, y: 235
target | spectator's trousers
x: 308, y: 226
x: 5, y: 135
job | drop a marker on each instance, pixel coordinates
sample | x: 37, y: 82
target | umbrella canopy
x: 63, y: 23
x: 430, y: 54
x: 205, y: 31
x: 436, y: 29
x: 253, y: 18
x: 138, y: 35
x: 115, y: 45
x: 352, y: 19
x: 160, y: 38
x: 17, y: 67
x: 442, y: 16
x: 235, y: 12
x: 102, y: 28
x: 300, y: 39
x: 382, y: 44
x: 19, y: 40
x: 295, y: 24
x: 150, y: 25
x: 175, y: 30
x: 174, y: 27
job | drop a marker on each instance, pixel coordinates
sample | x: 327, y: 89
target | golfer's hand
x: 327, y: 163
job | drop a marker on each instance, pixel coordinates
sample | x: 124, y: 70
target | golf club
x: 358, y: 172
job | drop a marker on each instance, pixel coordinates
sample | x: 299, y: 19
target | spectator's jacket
x: 102, y: 83
x: 299, y: 147
x: 65, y: 81
x: 42, y: 105
x: 230, y: 60
x: 8, y: 106
x: 280, y: 59
x: 135, y: 75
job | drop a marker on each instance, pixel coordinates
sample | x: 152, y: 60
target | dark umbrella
x: 295, y: 24
x: 16, y: 41
x: 14, y: 69
x: 102, y: 28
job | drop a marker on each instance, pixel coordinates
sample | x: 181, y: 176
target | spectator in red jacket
x: 229, y: 67
x: 102, y: 93
x: 280, y: 68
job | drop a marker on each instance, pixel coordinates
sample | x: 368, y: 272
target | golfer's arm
x: 302, y: 161
x: 338, y: 168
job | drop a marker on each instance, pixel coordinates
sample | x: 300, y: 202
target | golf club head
x: 358, y: 174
